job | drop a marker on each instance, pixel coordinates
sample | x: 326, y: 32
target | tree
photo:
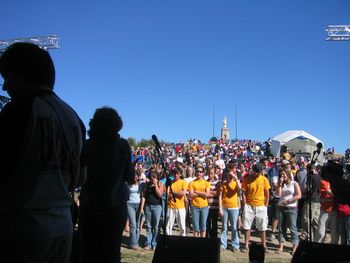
x: 132, y: 142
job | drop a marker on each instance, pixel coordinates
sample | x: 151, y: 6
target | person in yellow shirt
x: 229, y: 208
x: 199, y: 191
x: 176, y: 203
x: 255, y: 200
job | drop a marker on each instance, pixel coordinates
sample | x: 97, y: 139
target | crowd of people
x: 240, y: 184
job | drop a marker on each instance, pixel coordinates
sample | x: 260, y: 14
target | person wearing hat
x: 255, y: 200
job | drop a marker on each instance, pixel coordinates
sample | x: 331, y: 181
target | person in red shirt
x: 328, y: 214
x: 344, y: 223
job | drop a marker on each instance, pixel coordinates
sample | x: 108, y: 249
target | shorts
x: 258, y: 213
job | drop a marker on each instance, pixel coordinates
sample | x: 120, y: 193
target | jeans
x: 344, y: 229
x: 288, y: 219
x: 199, y: 218
x: 212, y: 222
x: 153, y: 214
x: 232, y: 215
x: 134, y: 222
x: 272, y: 209
x: 325, y: 219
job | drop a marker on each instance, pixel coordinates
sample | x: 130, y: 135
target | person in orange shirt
x: 255, y: 200
x: 176, y: 203
x: 229, y: 208
x: 328, y: 214
x: 199, y: 191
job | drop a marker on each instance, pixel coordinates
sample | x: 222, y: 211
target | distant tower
x: 225, y: 132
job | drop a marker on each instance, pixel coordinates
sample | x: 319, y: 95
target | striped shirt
x: 213, y: 201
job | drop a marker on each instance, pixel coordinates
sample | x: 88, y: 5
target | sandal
x: 244, y: 250
x: 303, y: 236
x: 278, y: 251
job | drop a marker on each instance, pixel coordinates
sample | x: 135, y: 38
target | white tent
x: 297, y: 141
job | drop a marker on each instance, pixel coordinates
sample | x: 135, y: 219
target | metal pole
x: 236, y: 129
x: 213, y: 120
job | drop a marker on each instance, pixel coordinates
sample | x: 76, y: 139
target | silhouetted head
x: 257, y: 168
x: 25, y: 68
x: 105, y: 124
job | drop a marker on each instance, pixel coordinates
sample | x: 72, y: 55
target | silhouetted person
x: 103, y: 208
x: 256, y: 253
x: 41, y: 141
x: 339, y: 180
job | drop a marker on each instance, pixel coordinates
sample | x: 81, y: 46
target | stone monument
x: 225, y: 132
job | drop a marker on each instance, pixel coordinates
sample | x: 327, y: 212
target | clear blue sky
x: 164, y: 64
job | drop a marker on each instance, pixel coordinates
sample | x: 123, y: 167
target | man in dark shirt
x: 313, y: 199
x: 41, y: 142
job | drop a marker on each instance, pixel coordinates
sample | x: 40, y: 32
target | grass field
x: 142, y: 256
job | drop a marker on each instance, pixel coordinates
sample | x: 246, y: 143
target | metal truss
x: 3, y: 101
x: 45, y: 42
x: 338, y: 33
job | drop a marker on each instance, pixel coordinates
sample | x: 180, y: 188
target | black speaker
x: 312, y: 252
x: 175, y: 249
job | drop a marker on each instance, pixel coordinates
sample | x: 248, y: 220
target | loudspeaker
x: 311, y: 252
x: 175, y: 249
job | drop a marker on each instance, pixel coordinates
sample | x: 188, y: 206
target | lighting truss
x: 3, y: 101
x: 338, y: 33
x: 45, y: 42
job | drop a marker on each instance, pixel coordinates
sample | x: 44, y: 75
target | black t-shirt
x: 315, y: 188
x: 24, y: 210
x: 151, y: 197
x: 14, y: 118
x: 109, y: 167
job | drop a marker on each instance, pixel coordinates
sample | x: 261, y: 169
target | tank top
x: 134, y: 191
x: 288, y: 193
x: 151, y: 196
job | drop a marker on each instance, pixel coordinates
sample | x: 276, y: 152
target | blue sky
x: 165, y: 64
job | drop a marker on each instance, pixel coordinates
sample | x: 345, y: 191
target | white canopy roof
x: 297, y: 141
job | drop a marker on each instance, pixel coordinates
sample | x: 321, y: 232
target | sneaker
x: 271, y: 237
x: 148, y: 248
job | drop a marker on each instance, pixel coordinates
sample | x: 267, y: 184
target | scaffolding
x: 338, y: 33
x: 45, y: 42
